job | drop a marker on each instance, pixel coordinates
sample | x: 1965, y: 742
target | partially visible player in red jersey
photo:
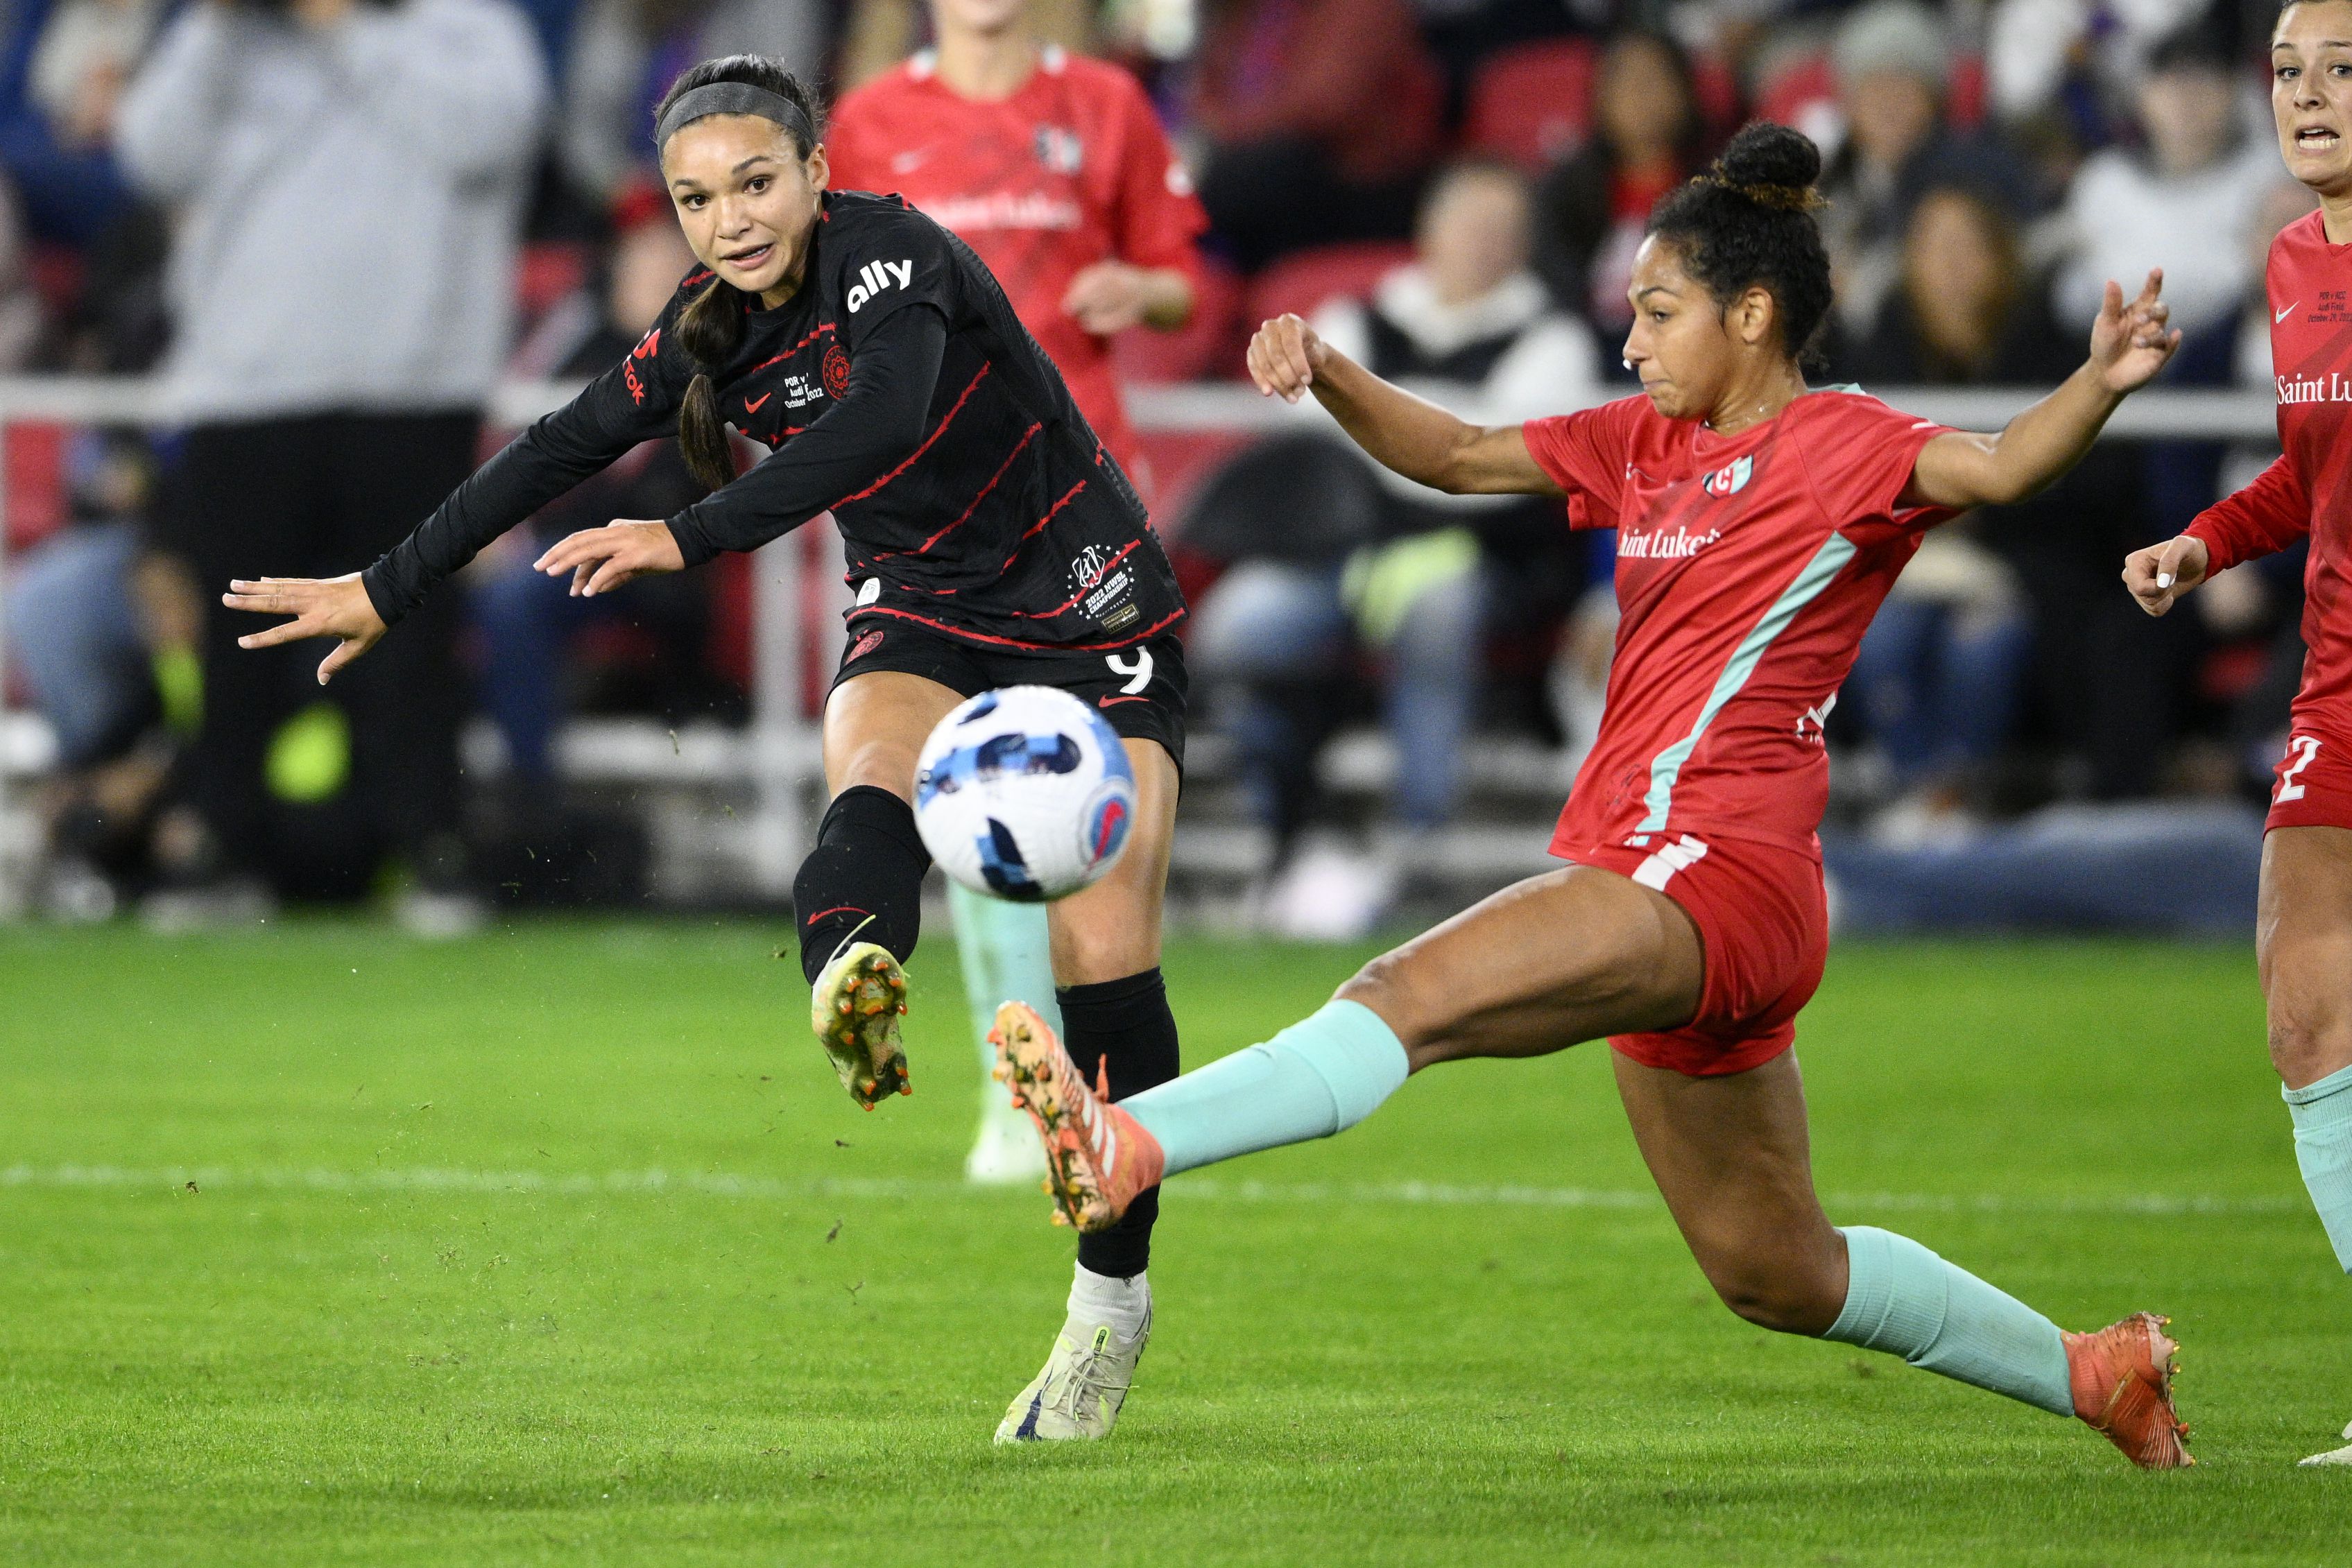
x: 1055, y: 171
x: 1760, y: 525
x: 2303, y: 924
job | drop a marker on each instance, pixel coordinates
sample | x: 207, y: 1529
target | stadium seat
x: 545, y: 271
x: 1304, y: 279
x: 1533, y: 103
x: 1800, y: 92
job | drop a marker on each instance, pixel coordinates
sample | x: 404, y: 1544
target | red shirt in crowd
x: 1071, y: 170
x: 2307, y: 491
x: 1749, y: 567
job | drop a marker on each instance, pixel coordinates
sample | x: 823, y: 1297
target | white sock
x: 1098, y: 1298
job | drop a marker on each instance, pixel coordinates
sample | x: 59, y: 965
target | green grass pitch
x: 561, y: 1245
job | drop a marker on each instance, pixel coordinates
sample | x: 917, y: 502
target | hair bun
x: 1772, y: 164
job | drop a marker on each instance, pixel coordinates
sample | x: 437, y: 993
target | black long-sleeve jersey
x: 895, y: 390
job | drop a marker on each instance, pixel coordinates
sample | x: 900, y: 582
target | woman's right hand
x: 336, y: 607
x: 1283, y: 357
x: 2162, y: 573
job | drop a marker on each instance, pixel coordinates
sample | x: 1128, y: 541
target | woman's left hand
x: 2130, y: 344
x: 605, y: 558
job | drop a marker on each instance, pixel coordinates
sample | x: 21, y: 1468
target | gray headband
x: 734, y: 97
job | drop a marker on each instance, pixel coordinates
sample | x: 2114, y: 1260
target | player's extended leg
x: 1733, y: 1160
x: 858, y: 896
x: 1007, y: 955
x: 1570, y: 956
x: 1117, y: 1023
x: 2303, y: 932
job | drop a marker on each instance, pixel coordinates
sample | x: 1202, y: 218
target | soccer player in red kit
x: 1055, y: 170
x: 1760, y: 525
x: 2302, y: 925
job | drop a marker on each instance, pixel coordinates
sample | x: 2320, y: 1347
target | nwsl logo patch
x: 1730, y: 479
x: 836, y: 371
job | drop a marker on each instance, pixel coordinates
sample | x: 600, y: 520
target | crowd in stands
x: 1451, y: 189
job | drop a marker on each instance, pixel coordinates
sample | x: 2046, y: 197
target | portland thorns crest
x: 836, y: 371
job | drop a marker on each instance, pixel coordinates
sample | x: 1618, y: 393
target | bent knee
x: 2307, y: 1047
x: 1789, y: 1302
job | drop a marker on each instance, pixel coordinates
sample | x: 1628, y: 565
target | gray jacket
x: 346, y: 203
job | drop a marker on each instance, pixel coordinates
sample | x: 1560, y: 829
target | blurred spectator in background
x: 528, y: 620
x: 1892, y: 59
x: 83, y: 59
x: 347, y: 179
x: 1055, y: 170
x: 1593, y: 208
x: 1320, y: 118
x: 624, y: 55
x: 104, y: 631
x: 2062, y: 56
x: 1940, y: 671
x: 1339, y: 561
x: 2180, y: 200
x: 2259, y: 606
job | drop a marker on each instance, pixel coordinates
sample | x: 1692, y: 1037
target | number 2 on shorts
x: 2305, y: 747
x: 1138, y: 670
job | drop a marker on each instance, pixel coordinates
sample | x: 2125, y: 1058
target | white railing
x: 784, y: 752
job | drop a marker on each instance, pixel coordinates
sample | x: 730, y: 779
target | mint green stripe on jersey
x: 1827, y: 562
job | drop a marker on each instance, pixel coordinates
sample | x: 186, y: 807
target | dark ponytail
x: 711, y: 329
x: 1748, y: 223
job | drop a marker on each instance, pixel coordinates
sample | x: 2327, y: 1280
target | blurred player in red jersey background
x: 1054, y: 169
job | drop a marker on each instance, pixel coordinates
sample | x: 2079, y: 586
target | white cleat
x: 1006, y: 1153
x: 2342, y: 1456
x: 1079, y: 1393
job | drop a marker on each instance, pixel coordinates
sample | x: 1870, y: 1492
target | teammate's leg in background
x: 857, y: 899
x: 2303, y: 933
x: 1114, y: 1005
x: 1732, y: 1157
x: 1007, y: 956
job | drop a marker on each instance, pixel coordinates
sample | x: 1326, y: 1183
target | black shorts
x: 1140, y: 690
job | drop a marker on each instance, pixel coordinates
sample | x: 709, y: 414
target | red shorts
x: 1764, y: 921
x: 2315, y: 782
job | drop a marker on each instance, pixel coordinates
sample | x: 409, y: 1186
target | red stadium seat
x: 1533, y: 103
x: 546, y: 271
x: 1798, y: 90
x: 1304, y: 279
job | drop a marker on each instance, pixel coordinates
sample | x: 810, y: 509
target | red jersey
x: 2308, y: 491
x: 1071, y: 170
x: 1749, y: 567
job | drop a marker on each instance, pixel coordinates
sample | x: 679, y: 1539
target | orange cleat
x: 2122, y: 1377
x: 1097, y: 1157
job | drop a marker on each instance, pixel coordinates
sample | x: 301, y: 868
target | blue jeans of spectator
x: 1939, y: 683
x: 73, y: 632
x: 526, y: 619
x: 1268, y: 625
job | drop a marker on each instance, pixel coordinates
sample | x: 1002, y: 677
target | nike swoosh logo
x: 752, y: 407
x: 1113, y: 702
x: 2285, y: 314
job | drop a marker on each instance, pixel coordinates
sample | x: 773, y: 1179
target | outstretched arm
x: 2129, y: 344
x: 1408, y: 435
x: 855, y: 446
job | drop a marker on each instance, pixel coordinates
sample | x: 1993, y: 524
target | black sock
x: 1125, y: 1025
x: 866, y: 872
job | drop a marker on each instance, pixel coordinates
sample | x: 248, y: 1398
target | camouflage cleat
x: 854, y: 1007
x: 1097, y: 1157
x: 2122, y: 1378
x: 1079, y: 1393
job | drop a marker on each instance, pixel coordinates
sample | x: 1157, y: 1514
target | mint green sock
x: 1902, y: 1299
x: 1008, y: 957
x: 1319, y: 1076
x: 2323, y: 1149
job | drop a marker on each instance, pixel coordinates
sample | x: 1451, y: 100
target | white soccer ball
x: 1025, y: 793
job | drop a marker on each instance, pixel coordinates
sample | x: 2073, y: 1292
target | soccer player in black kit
x: 991, y: 541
